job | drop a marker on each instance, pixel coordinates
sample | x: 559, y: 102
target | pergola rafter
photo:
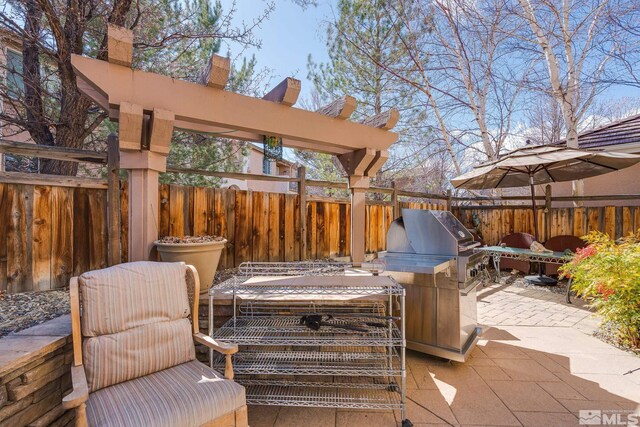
x: 150, y: 106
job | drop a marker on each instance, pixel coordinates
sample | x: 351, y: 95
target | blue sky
x: 288, y: 37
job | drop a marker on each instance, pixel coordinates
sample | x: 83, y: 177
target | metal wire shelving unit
x: 283, y: 362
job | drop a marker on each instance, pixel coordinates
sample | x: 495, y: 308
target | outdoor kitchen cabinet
x: 281, y: 361
x: 437, y: 316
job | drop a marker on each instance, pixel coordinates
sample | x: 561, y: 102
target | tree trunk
x: 71, y: 128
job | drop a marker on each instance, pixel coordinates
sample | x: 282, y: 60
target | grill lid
x: 428, y: 232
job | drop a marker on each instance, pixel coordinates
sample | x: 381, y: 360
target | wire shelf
x: 351, y: 309
x: 347, y: 363
x: 303, y: 268
x: 287, y: 330
x: 321, y: 287
x: 322, y: 394
x: 333, y: 367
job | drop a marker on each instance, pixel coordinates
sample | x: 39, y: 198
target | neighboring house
x: 255, y: 163
x: 622, y: 136
x: 11, y: 85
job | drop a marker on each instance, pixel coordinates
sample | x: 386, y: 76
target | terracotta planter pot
x: 203, y: 256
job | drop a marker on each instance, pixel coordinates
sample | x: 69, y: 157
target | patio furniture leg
x: 496, y: 265
x: 569, y: 290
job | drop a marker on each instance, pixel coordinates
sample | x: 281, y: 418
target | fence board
x: 124, y: 222
x: 97, y: 211
x: 312, y: 243
x: 41, y: 246
x: 260, y: 235
x: 62, y: 237
x: 289, y: 231
x: 81, y: 225
x: 19, y: 239
x: 242, y: 227
x: 4, y: 219
x: 199, y: 211
x: 275, y: 255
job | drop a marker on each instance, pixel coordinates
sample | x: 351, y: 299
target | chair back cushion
x: 561, y: 244
x: 134, y: 320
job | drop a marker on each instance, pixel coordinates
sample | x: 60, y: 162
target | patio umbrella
x: 542, y: 164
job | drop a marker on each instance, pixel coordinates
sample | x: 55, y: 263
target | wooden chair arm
x: 212, y: 344
x: 226, y: 349
x: 80, y: 392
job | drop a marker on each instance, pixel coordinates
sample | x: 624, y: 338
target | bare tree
x: 577, y: 41
x: 472, y: 39
x: 174, y: 35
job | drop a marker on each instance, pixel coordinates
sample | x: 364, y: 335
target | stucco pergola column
x: 143, y: 168
x: 144, y: 146
x: 358, y: 186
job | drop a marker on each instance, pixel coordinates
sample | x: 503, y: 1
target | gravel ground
x: 27, y: 309
x: 517, y: 279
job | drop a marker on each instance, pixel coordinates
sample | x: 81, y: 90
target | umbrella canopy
x: 545, y: 164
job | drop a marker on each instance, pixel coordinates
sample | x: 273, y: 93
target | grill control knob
x: 473, y: 272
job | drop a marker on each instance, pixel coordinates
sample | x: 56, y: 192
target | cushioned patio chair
x: 134, y: 327
x: 517, y: 240
x: 561, y: 244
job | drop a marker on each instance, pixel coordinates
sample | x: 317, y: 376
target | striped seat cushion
x: 133, y: 294
x: 135, y: 321
x: 114, y: 358
x: 189, y: 394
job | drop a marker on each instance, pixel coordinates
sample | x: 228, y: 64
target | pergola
x: 150, y: 106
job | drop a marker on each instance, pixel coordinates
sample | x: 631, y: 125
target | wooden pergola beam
x: 377, y: 163
x: 385, y: 120
x: 208, y: 107
x: 357, y: 162
x: 119, y: 45
x: 342, y: 108
x: 216, y: 73
x: 285, y: 93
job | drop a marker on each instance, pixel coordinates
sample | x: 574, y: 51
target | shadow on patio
x: 509, y: 381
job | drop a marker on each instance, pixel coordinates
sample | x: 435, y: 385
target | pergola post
x: 360, y: 165
x: 358, y: 225
x: 143, y: 167
x: 143, y: 209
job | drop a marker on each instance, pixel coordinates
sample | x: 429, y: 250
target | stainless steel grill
x: 431, y: 254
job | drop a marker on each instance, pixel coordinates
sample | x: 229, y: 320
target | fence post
x: 449, y: 200
x: 113, y: 200
x: 394, y: 200
x: 302, y: 193
x: 547, y: 212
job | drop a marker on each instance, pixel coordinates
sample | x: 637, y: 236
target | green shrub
x: 607, y: 273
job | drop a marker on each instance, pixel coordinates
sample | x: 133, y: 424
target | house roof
x: 624, y: 131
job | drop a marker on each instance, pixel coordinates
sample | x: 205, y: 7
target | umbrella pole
x: 540, y: 279
x: 533, y: 206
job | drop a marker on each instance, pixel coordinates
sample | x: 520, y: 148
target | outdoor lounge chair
x: 561, y: 244
x: 134, y: 360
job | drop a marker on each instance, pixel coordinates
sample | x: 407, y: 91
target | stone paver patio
x: 536, y: 365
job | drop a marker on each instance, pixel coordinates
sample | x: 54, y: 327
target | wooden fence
x: 50, y: 233
x: 53, y: 227
x: 496, y: 222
